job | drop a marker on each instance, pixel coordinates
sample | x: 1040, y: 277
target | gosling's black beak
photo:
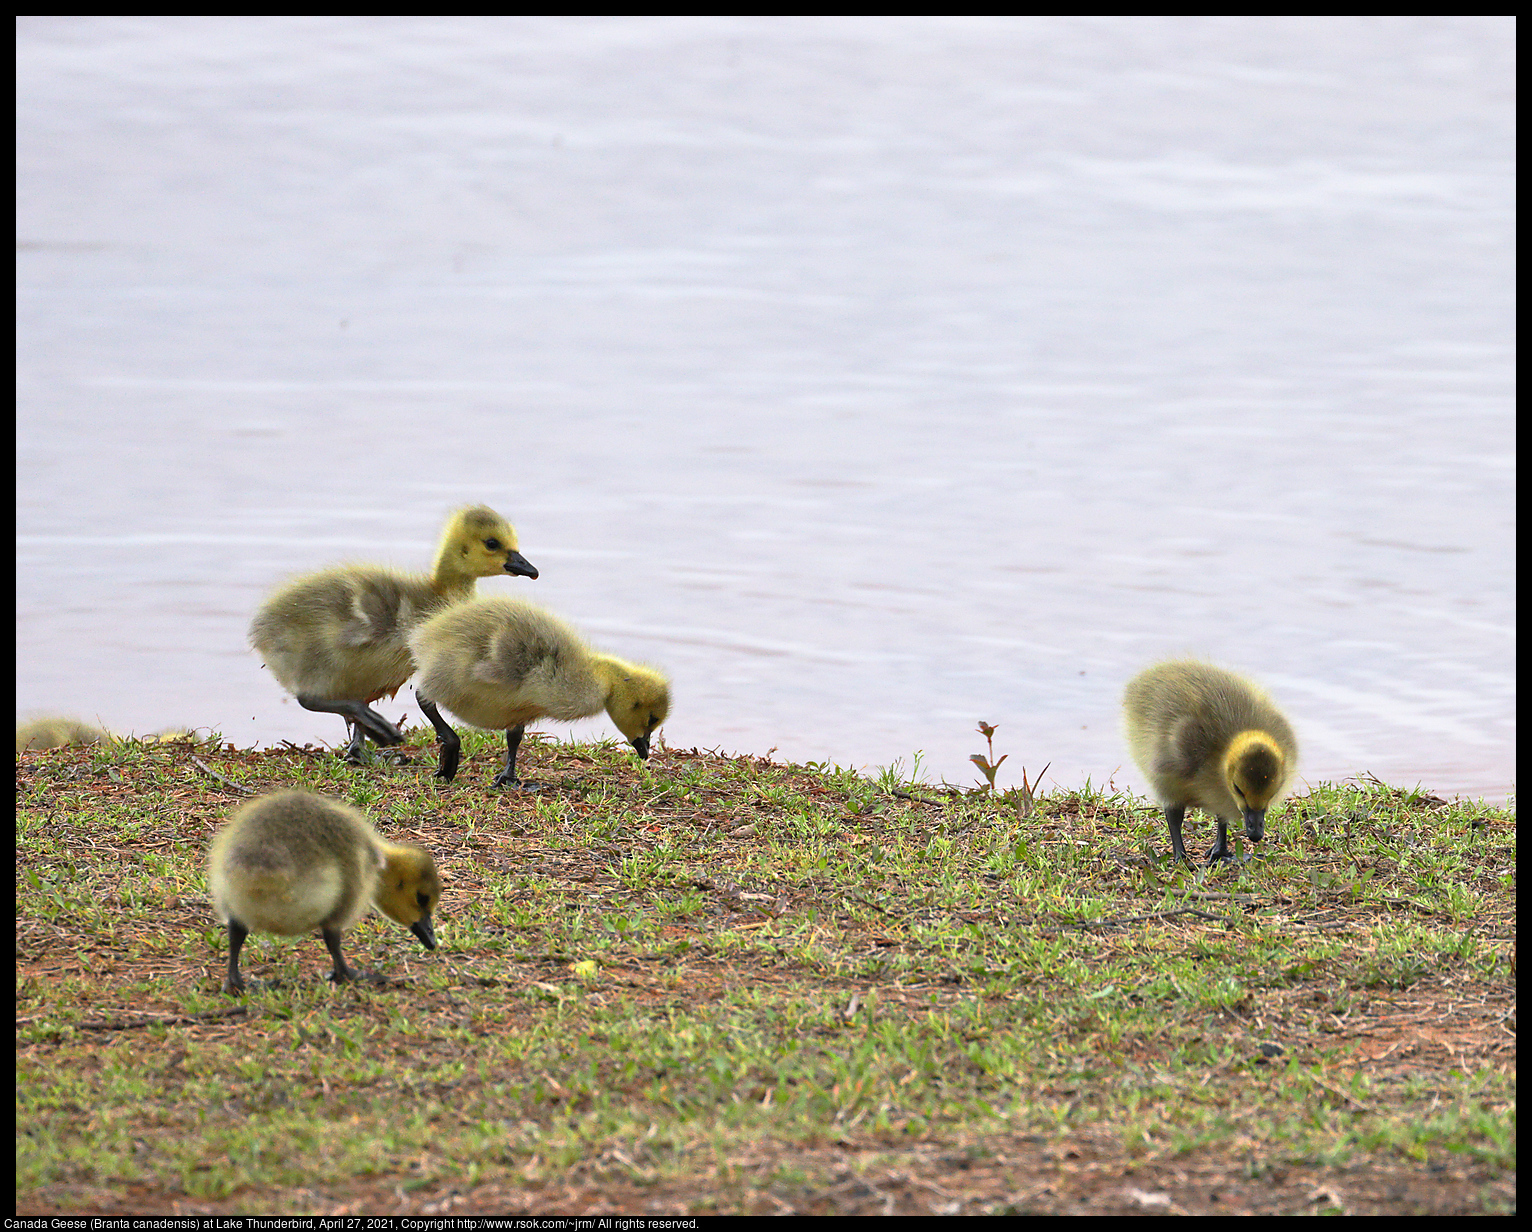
x: 518, y: 565
x: 641, y: 746
x: 1255, y: 824
x: 422, y: 929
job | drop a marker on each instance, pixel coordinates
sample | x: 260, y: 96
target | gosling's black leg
x: 342, y: 973
x: 507, y: 777
x: 1175, y: 814
x: 1221, y: 847
x: 354, y: 754
x: 234, y: 982
x: 364, y: 716
x: 451, y: 746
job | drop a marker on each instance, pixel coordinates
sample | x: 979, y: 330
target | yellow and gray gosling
x: 501, y: 663
x: 1206, y: 737
x: 293, y: 862
x: 335, y: 639
x: 55, y: 733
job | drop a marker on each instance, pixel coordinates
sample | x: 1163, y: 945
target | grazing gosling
x: 171, y: 735
x: 336, y: 639
x: 1206, y: 737
x: 501, y: 663
x: 55, y: 733
x: 292, y: 862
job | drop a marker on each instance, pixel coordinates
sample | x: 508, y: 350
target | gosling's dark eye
x: 424, y: 900
x: 492, y: 544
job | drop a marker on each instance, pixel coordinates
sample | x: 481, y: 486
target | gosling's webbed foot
x: 1222, y: 853
x: 362, y: 717
x: 446, y: 768
x: 369, y: 722
x: 385, y: 733
x: 513, y: 783
x: 1221, y: 850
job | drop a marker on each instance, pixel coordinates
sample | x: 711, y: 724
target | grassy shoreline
x: 713, y: 984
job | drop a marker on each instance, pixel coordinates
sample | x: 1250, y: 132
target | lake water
x: 871, y: 377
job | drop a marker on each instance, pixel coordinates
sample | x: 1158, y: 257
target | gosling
x: 56, y: 733
x: 1206, y: 737
x: 501, y: 663
x: 292, y: 862
x: 335, y: 639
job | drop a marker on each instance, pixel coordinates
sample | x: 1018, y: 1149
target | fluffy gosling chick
x: 336, y: 639
x: 501, y: 663
x: 292, y: 862
x: 55, y: 733
x: 1206, y: 737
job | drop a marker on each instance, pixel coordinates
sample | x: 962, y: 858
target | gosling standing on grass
x: 501, y: 663
x: 336, y: 639
x: 1206, y: 737
x: 293, y: 862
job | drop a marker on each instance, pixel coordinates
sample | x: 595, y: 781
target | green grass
x: 789, y: 963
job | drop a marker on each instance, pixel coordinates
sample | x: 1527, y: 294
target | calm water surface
x: 873, y: 378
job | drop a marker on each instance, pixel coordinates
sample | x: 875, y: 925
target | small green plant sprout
x: 988, y: 764
x: 1025, y: 803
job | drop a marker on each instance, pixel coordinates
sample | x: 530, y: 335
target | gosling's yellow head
x: 408, y: 891
x: 638, y: 703
x: 484, y: 544
x: 1255, y: 770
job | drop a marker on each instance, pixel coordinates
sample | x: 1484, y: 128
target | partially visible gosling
x: 293, y: 861
x: 1206, y: 737
x: 55, y: 733
x: 335, y: 639
x: 171, y: 735
x: 501, y: 663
